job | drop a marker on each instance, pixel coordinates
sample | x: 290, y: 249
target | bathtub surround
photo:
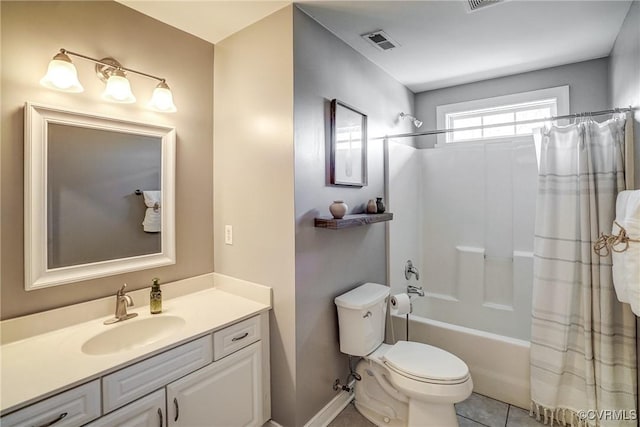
x: 476, y: 241
x: 31, y: 31
x: 416, y: 177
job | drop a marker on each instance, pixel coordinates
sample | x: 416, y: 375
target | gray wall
x: 624, y: 73
x: 624, y: 80
x: 330, y: 262
x: 587, y: 82
x: 31, y: 33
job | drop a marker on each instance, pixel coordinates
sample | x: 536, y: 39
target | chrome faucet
x: 122, y: 302
x: 412, y: 289
x: 409, y: 269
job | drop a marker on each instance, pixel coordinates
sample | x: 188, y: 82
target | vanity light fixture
x: 162, y: 99
x: 118, y: 88
x: 62, y: 75
x: 417, y: 123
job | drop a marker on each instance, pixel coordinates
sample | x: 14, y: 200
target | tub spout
x: 412, y: 289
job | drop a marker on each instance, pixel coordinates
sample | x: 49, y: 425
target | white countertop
x: 38, y: 366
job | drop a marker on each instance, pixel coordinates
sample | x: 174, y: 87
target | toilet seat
x: 425, y: 363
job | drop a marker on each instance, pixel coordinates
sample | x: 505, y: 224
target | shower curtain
x: 583, y: 355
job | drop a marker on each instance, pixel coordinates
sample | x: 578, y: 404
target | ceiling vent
x: 380, y: 40
x: 474, y: 5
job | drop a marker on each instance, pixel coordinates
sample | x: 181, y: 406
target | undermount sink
x: 131, y: 334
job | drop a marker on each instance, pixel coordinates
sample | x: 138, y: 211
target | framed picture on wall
x: 348, y: 163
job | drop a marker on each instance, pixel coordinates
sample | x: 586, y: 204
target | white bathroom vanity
x: 203, y: 361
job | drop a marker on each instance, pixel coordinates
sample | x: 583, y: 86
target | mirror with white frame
x: 99, y: 196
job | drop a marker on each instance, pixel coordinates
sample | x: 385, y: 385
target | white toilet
x: 406, y: 384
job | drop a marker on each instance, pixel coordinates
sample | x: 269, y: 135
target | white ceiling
x: 444, y: 45
x: 441, y: 44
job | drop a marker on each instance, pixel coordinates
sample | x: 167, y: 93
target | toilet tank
x: 361, y: 318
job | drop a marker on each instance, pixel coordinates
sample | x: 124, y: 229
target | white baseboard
x: 332, y: 409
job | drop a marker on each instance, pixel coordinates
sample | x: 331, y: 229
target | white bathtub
x: 499, y: 365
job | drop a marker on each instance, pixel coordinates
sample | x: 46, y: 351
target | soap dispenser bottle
x: 155, y: 303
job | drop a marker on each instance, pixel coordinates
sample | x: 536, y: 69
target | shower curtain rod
x: 521, y: 122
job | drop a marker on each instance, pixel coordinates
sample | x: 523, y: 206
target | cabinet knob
x: 160, y: 416
x: 175, y: 403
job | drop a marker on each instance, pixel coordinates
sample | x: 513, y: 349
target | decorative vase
x: 380, y: 205
x: 372, y: 207
x: 338, y: 209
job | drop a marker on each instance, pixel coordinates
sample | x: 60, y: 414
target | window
x: 496, y: 118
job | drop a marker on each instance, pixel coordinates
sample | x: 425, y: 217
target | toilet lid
x: 425, y: 361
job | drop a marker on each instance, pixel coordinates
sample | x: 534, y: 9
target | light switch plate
x: 228, y: 235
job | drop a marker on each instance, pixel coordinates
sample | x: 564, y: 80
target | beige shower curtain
x: 583, y: 355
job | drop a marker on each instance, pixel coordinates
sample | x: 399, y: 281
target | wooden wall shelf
x: 352, y: 220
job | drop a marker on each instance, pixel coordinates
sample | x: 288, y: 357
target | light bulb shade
x: 162, y: 99
x: 62, y: 75
x: 118, y: 89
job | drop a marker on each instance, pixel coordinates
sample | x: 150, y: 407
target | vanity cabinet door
x: 227, y: 393
x: 146, y: 412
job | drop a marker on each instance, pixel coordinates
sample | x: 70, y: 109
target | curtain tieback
x: 609, y: 242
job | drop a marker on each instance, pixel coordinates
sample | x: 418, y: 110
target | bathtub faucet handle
x: 409, y: 269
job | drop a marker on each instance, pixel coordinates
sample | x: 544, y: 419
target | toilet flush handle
x: 366, y: 315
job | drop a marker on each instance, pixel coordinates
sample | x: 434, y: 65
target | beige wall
x: 253, y: 175
x: 32, y: 32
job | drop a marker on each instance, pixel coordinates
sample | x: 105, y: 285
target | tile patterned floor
x: 476, y: 411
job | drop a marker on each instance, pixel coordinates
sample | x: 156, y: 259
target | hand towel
x: 626, y: 265
x: 152, y: 217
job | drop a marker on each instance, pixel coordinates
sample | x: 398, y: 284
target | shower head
x: 417, y: 123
